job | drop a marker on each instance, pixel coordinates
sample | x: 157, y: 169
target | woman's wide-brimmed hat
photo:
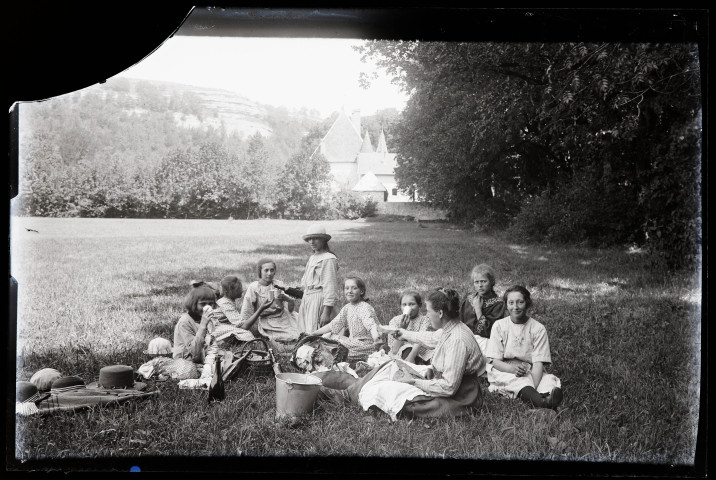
x: 43, y: 379
x: 316, y: 231
x: 67, y: 384
x: 116, y: 377
x: 27, y: 392
x: 159, y: 347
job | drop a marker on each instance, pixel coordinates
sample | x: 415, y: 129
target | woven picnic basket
x: 258, y: 362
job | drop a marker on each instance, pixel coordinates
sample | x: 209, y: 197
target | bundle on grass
x: 315, y: 353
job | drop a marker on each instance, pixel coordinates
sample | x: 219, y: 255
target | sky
x: 316, y: 73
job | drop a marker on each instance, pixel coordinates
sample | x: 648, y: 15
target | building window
x: 395, y: 192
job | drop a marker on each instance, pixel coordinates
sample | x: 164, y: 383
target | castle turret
x: 382, y: 147
x: 355, y: 120
x: 366, y: 147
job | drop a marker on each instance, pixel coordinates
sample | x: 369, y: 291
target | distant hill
x: 237, y: 112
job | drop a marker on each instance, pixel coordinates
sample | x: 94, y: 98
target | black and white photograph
x: 408, y: 241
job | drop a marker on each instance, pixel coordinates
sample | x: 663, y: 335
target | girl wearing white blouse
x: 518, y: 351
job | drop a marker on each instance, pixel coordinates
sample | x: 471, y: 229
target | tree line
x: 118, y: 151
x: 595, y: 143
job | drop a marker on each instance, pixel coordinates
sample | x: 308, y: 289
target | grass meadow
x: 625, y: 339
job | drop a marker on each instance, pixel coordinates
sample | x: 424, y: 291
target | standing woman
x: 319, y: 282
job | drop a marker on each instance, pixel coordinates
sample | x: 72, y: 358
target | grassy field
x: 625, y: 342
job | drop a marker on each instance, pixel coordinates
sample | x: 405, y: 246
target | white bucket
x: 296, y: 394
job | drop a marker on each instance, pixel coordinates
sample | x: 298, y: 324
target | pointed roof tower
x: 342, y: 141
x: 369, y: 183
x: 382, y: 147
x: 367, y: 147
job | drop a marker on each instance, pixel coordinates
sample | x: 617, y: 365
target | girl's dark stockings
x: 539, y: 400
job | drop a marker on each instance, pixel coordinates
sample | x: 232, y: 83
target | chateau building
x: 356, y: 165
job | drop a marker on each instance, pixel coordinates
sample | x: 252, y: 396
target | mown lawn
x: 625, y: 342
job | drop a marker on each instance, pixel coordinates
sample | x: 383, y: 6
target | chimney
x: 355, y: 120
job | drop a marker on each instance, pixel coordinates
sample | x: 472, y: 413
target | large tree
x: 492, y: 128
x: 305, y: 180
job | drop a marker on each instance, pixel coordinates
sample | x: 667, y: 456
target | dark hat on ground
x: 66, y: 384
x: 116, y: 376
x: 27, y: 392
x: 43, y: 379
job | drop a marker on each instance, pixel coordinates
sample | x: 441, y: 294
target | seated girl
x: 192, y: 333
x: 518, y: 351
x: 412, y: 321
x: 448, y: 387
x: 482, y: 308
x: 360, y: 319
x: 275, y: 323
x: 188, y: 337
x: 231, y: 291
x: 226, y: 327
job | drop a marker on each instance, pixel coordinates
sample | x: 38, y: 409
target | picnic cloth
x: 81, y: 398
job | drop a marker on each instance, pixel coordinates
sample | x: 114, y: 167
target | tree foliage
x: 305, y: 181
x: 564, y: 141
x: 119, y: 151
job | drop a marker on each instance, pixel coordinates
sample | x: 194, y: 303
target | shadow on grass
x: 393, y: 257
x: 82, y: 360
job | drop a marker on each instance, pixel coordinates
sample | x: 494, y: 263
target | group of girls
x: 219, y: 319
x: 505, y: 344
x: 515, y: 346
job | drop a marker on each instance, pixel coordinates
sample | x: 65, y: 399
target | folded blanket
x: 83, y: 398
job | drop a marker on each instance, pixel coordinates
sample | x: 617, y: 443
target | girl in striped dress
x: 319, y: 283
x: 457, y: 362
x: 360, y: 319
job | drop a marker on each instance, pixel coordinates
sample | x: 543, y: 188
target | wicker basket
x: 258, y: 362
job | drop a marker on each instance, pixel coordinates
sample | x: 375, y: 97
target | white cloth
x: 304, y: 357
x: 195, y: 384
x: 482, y: 343
x: 389, y: 395
x: 377, y: 358
x: 509, y: 384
